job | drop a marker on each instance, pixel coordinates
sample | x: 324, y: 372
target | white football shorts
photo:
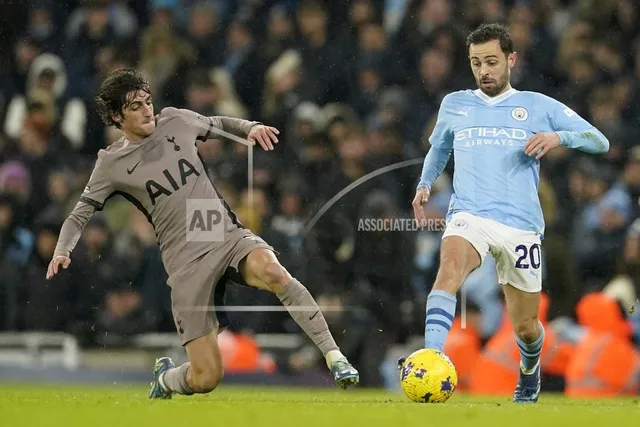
x: 518, y: 253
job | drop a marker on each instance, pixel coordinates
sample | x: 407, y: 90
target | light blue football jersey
x: 493, y: 177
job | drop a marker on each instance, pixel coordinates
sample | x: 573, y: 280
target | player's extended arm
x: 72, y: 228
x: 441, y: 140
x: 434, y: 163
x: 238, y: 127
x: 590, y: 141
x: 69, y: 236
x: 95, y: 194
x: 567, y: 129
x: 204, y: 124
x: 253, y: 131
x: 574, y: 131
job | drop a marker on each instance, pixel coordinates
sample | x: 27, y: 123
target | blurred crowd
x: 353, y: 86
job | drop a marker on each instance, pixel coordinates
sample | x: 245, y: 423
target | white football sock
x: 333, y: 356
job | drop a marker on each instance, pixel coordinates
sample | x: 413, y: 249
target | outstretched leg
x: 261, y: 269
x: 458, y: 258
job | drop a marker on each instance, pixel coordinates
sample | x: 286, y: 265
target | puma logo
x: 130, y: 171
x: 172, y: 140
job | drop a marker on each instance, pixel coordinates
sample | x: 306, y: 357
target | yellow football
x: 428, y: 376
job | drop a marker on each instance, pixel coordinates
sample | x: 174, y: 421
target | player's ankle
x: 333, y: 356
x: 162, y: 384
x: 529, y: 371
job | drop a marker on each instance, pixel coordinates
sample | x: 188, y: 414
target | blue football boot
x: 156, y: 391
x: 344, y: 374
x: 528, y: 388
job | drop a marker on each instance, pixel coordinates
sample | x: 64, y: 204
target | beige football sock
x: 175, y: 380
x: 304, y: 310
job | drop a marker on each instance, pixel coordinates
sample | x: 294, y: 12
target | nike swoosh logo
x: 130, y: 171
x: 313, y: 315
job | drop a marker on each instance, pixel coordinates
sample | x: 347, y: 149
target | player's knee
x: 275, y: 276
x: 527, y: 329
x: 206, y: 380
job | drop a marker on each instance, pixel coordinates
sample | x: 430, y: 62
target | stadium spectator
x: 15, y: 252
x: 45, y: 305
x: 203, y: 34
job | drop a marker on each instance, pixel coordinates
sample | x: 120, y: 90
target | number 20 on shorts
x: 528, y: 254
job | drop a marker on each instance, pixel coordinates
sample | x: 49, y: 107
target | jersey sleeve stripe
x: 99, y: 206
x: 208, y: 134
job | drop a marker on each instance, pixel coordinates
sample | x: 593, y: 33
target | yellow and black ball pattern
x: 428, y: 376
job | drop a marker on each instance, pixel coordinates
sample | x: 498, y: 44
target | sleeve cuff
x: 99, y: 206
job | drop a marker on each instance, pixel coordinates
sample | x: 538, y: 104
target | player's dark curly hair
x: 115, y: 90
x: 488, y: 32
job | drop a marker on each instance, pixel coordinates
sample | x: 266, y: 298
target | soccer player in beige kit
x: 156, y: 166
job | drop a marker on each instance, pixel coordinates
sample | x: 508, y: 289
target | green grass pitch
x: 113, y: 406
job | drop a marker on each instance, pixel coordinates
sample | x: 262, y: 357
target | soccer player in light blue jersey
x: 498, y: 136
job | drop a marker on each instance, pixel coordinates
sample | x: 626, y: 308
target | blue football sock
x: 441, y: 308
x: 530, y: 352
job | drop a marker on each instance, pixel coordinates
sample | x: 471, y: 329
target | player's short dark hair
x: 488, y: 32
x: 112, y: 95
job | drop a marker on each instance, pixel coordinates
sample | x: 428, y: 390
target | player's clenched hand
x: 542, y: 142
x: 264, y: 135
x: 422, y: 196
x: 55, y: 264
